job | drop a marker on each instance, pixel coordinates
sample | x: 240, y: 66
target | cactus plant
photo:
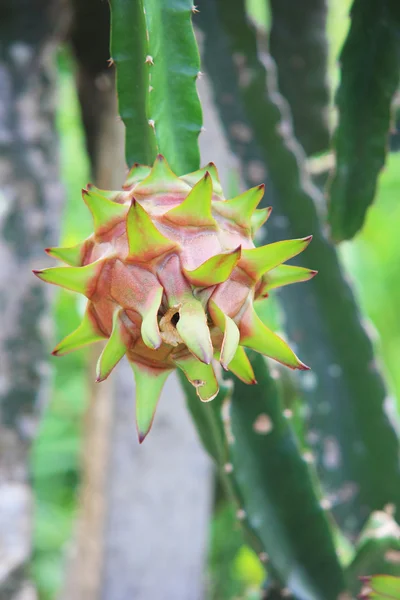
x: 345, y: 386
x: 369, y: 79
x: 172, y: 276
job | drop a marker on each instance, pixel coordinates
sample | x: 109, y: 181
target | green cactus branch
x: 129, y: 49
x: 298, y: 44
x: 174, y: 64
x: 260, y: 464
x: 355, y: 445
x: 277, y: 490
x: 370, y: 73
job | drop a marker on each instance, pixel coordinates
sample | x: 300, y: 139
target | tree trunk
x: 30, y: 202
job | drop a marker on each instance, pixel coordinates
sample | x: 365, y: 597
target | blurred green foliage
x: 56, y: 452
x: 372, y: 261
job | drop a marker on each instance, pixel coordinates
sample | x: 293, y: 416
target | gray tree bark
x: 30, y: 199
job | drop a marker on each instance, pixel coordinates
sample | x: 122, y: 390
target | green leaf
x: 174, y: 106
x: 129, y: 49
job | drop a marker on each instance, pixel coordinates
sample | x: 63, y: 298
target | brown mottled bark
x: 298, y: 44
x: 30, y: 198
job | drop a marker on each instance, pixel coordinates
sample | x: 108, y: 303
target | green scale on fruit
x: 171, y: 274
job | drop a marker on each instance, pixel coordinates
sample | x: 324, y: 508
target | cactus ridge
x: 171, y: 275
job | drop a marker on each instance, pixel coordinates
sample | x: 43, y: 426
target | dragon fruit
x: 171, y: 274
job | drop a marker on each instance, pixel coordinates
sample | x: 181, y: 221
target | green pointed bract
x: 214, y: 270
x: 71, y: 256
x: 258, y: 261
x: 193, y: 329
x: 258, y: 219
x: 149, y: 382
x: 195, y: 210
x: 381, y: 587
x: 150, y: 330
x: 241, y: 367
x: 193, y: 178
x: 76, y: 279
x: 109, y: 194
x: 136, y: 174
x: 283, y: 275
x: 87, y: 333
x: 145, y: 241
x: 161, y: 178
x: 201, y: 376
x: 231, y: 338
x: 105, y: 213
x: 255, y: 335
x: 113, y: 351
x: 241, y: 208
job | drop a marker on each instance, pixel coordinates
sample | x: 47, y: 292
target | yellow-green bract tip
x: 113, y: 351
x: 195, y: 210
x: 215, y: 270
x: 71, y: 256
x: 105, y: 213
x: 240, y: 209
x: 161, y: 177
x: 149, y: 382
x: 145, y: 241
x: 258, y: 261
x: 87, y: 333
x: 255, y: 335
x: 76, y: 279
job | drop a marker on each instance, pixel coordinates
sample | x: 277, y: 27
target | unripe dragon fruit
x: 171, y: 274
